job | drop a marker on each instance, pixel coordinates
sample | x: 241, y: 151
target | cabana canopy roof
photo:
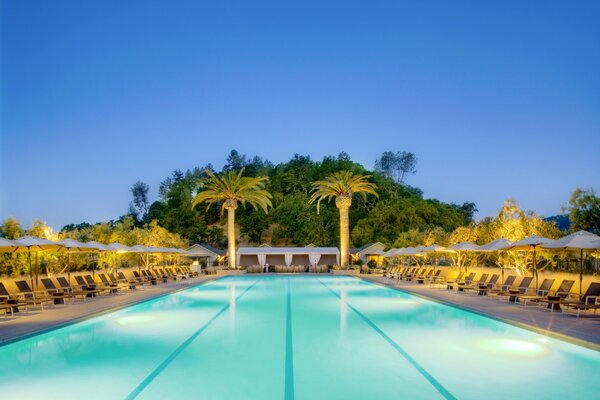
x: 312, y: 252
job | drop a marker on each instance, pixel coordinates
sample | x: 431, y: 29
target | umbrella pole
x: 69, y: 266
x: 535, y: 269
x: 580, y: 271
x: 37, y: 270
x: 502, y: 266
x: 30, y: 270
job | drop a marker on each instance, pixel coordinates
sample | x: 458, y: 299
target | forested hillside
x: 293, y: 221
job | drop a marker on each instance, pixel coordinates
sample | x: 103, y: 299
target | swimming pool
x: 295, y: 337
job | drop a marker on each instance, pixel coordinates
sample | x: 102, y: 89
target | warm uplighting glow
x: 510, y: 347
x: 134, y: 320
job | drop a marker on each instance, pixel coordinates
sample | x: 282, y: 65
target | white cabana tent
x: 247, y: 256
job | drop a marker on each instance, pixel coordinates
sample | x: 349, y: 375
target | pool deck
x: 584, y: 331
x: 34, y: 320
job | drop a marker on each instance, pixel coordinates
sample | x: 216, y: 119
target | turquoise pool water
x: 295, y: 337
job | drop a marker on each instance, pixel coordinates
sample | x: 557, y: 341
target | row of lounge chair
x: 518, y: 293
x: 86, y: 287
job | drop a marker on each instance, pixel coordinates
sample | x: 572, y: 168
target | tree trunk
x: 344, y: 235
x: 231, y: 236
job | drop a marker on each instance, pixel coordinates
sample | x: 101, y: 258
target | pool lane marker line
x: 434, y: 382
x: 289, y: 349
x: 157, y: 371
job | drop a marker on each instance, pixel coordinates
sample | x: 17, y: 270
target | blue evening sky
x: 498, y: 99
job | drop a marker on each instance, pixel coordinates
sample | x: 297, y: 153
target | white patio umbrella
x: 530, y: 243
x: 498, y: 245
x: 464, y: 247
x: 435, y: 249
x: 118, y: 248
x: 144, y: 254
x: 8, y: 246
x: 100, y: 247
x: 73, y: 246
x: 581, y: 240
x: 29, y: 243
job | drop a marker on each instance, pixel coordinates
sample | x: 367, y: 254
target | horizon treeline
x: 292, y: 220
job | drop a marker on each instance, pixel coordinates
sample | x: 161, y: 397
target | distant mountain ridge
x: 562, y: 222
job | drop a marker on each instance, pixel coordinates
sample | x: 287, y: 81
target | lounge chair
x: 589, y: 301
x: 540, y: 293
x: 450, y: 283
x: 468, y: 281
x: 513, y: 294
x: 480, y: 288
x: 421, y: 278
x: 131, y: 282
x: 8, y: 302
x: 562, y: 293
x: 64, y: 285
x: 432, y: 278
x: 58, y: 295
x: 33, y: 298
x: 150, y: 277
x: 91, y: 282
x: 107, y: 284
x: 504, y: 288
x: 416, y: 273
x: 474, y: 285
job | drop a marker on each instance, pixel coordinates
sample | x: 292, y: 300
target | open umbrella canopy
x: 464, y: 246
x: 118, y: 247
x: 436, y: 248
x: 8, y: 246
x: 577, y: 240
x: 37, y: 244
x: 75, y: 246
x: 138, y: 248
x: 529, y: 243
x: 99, y: 246
x: 581, y: 240
x: 496, y: 245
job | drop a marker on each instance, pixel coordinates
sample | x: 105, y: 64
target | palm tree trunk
x: 231, y: 236
x: 344, y: 235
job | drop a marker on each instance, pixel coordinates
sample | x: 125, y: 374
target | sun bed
x: 106, y: 284
x: 540, y: 293
x: 450, y: 283
x: 513, y: 294
x: 461, y: 284
x: 589, y: 301
x: 508, y: 282
x: 473, y: 285
x: 91, y: 282
x: 480, y: 287
x: 57, y: 294
x: 431, y: 278
x: 31, y: 297
x: 421, y: 278
x: 9, y: 301
x: 64, y: 285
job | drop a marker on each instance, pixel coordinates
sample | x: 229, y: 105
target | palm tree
x: 232, y: 188
x: 342, y: 185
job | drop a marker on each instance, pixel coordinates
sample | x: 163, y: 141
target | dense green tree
x: 584, y: 210
x: 11, y: 229
x: 140, y: 203
x: 397, y: 166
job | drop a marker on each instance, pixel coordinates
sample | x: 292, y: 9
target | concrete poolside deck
x: 584, y: 331
x: 35, y: 320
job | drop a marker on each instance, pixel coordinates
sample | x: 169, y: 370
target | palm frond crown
x: 232, y: 188
x: 341, y: 184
